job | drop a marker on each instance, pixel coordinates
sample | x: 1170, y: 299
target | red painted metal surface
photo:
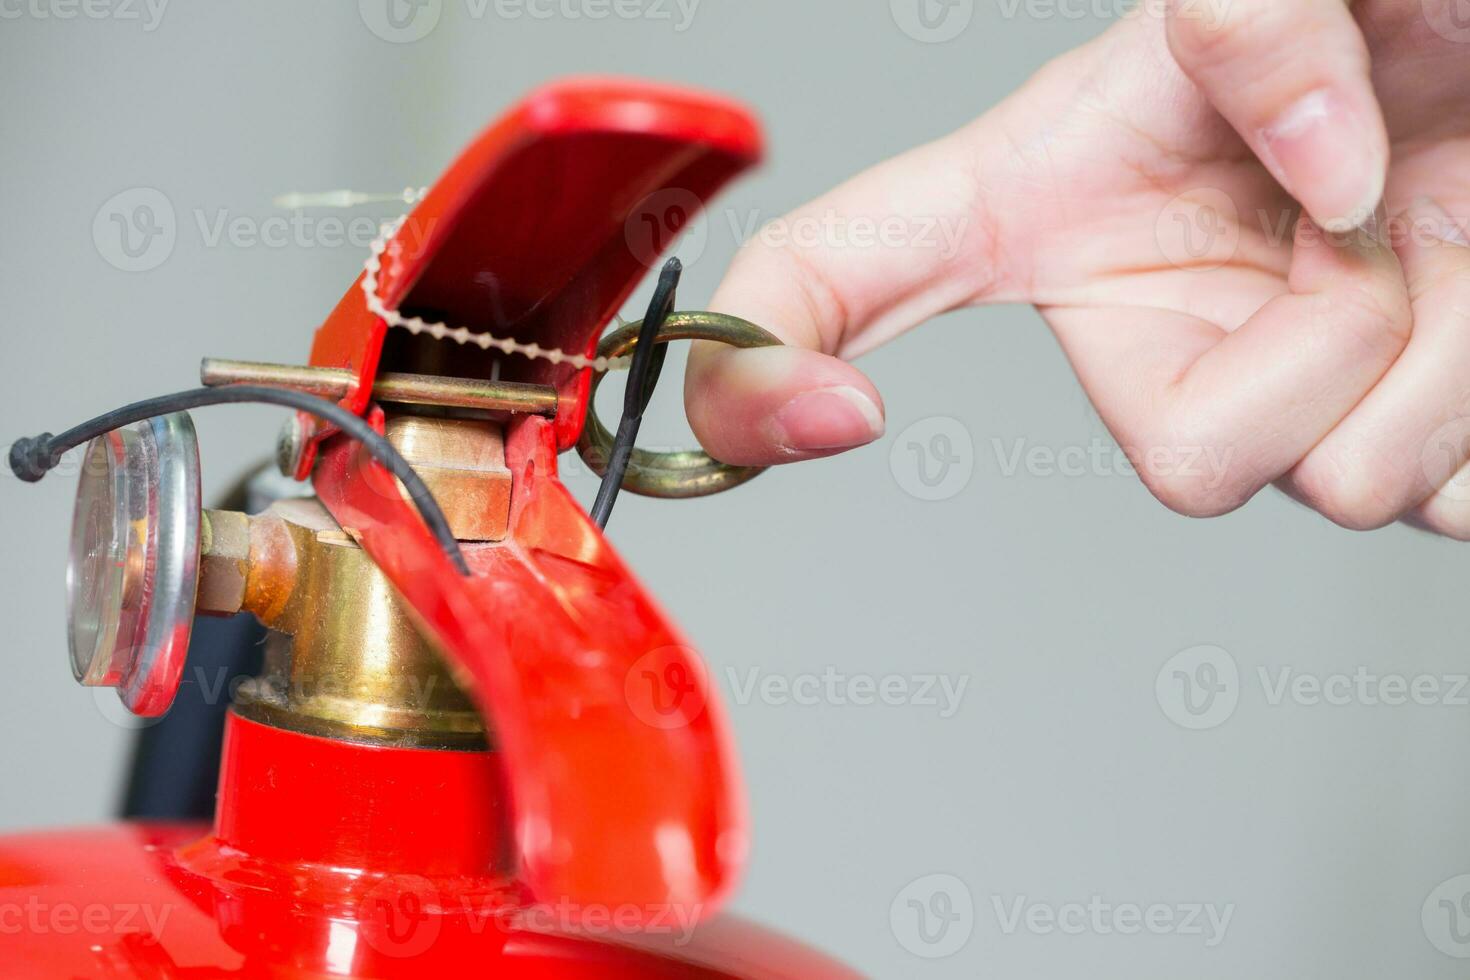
x: 322, y: 864
x: 372, y: 808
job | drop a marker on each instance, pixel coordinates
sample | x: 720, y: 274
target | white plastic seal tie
x: 410, y: 196
x: 461, y: 335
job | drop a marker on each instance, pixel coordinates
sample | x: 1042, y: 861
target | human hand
x: 1307, y: 341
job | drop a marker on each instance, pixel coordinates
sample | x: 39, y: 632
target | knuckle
x: 1445, y: 522
x: 1194, y: 497
x: 1192, y: 476
x: 1378, y: 317
x: 798, y: 277
x: 1447, y: 289
x: 1212, y: 41
x: 1349, y: 489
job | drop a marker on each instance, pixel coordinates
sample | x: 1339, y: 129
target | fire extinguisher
x: 476, y: 744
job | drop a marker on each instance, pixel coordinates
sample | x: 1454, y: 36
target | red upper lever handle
x: 624, y: 783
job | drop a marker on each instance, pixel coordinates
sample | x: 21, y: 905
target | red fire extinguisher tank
x: 588, y: 839
x: 329, y: 859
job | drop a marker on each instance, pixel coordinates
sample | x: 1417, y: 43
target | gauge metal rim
x: 153, y: 468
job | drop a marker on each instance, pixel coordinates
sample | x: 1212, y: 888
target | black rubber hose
x: 33, y: 458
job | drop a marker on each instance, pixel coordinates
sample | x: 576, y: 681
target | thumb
x: 1292, y: 77
x: 839, y: 276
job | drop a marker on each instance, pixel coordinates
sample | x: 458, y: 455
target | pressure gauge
x: 134, y: 566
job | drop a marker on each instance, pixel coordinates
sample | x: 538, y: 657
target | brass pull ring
x: 676, y: 475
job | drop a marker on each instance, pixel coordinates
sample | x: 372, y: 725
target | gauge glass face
x: 97, y: 563
x: 133, y: 568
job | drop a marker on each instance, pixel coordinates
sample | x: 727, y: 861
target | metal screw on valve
x: 291, y: 446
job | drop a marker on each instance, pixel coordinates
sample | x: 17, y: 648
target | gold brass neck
x: 348, y: 660
x: 350, y: 663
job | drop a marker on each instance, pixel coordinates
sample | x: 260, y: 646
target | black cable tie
x: 643, y: 375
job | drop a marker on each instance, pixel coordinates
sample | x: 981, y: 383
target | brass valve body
x: 349, y: 660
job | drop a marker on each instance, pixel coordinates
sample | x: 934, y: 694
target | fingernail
x: 1378, y: 227
x: 827, y: 419
x: 1323, y: 150
x: 1433, y: 218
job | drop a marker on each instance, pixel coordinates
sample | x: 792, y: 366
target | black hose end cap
x: 30, y: 459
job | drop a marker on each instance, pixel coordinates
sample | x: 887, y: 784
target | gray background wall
x: 1058, y: 599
